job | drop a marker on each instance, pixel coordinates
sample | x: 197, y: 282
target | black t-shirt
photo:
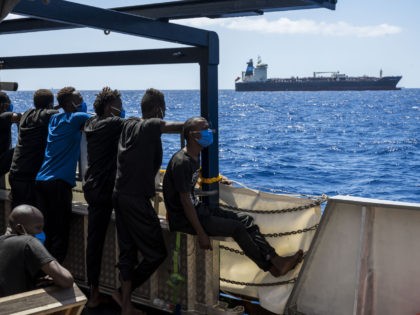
x: 5, y: 132
x: 102, y: 145
x: 22, y: 256
x: 181, y: 176
x: 32, y: 140
x: 139, y: 157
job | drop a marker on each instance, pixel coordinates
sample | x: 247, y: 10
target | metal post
x: 210, y: 111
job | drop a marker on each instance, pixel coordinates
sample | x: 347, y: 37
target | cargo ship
x: 255, y: 79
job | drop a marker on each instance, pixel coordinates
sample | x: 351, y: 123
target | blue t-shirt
x: 63, y: 147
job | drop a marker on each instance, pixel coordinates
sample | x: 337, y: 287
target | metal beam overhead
x: 109, y: 58
x: 221, y: 8
x: 103, y: 19
x: 180, y: 10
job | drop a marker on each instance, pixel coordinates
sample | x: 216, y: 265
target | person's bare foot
x: 96, y: 298
x: 282, y: 265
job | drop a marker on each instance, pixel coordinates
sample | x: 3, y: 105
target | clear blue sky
x: 359, y: 38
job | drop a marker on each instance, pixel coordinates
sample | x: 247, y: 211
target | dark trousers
x: 22, y: 191
x: 138, y: 229
x: 240, y: 227
x: 6, y: 161
x: 100, y: 210
x: 54, y: 200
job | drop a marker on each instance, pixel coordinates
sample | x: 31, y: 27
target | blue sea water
x: 360, y: 143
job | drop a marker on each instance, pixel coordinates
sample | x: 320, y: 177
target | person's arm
x: 60, y: 275
x: 171, y: 126
x: 16, y: 118
x: 191, y: 214
x: 79, y: 119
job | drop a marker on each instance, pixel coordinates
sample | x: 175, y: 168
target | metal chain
x: 230, y: 249
x: 317, y: 202
x: 251, y: 284
x: 312, y: 228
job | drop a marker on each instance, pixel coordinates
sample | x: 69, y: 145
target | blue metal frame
x: 171, y: 10
x: 103, y: 19
x: 107, y: 58
x: 59, y: 14
x: 206, y: 53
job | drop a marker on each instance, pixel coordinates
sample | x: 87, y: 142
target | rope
x: 211, y: 180
x: 175, y: 278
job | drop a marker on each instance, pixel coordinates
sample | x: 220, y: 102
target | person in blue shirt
x: 57, y: 175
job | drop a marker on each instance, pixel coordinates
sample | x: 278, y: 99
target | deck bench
x: 49, y: 300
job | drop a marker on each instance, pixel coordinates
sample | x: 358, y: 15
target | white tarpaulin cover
x: 239, y: 268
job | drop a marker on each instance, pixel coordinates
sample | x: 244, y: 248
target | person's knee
x: 247, y: 221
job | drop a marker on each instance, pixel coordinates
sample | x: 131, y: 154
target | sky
x: 358, y: 38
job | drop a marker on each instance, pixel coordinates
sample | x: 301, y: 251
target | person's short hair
x: 106, y: 96
x: 43, y: 98
x: 65, y: 95
x: 151, y: 99
x: 4, y: 98
x: 190, y: 124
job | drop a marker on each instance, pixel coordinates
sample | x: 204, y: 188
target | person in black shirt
x: 187, y: 214
x: 30, y: 148
x: 138, y: 161
x: 7, y: 118
x: 23, y: 256
x: 102, y: 134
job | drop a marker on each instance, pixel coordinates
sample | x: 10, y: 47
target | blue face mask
x: 122, y: 113
x: 41, y: 237
x: 206, y: 138
x: 10, y: 108
x: 82, y: 108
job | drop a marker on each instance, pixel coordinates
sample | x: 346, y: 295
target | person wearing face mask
x: 102, y: 134
x: 7, y: 118
x: 23, y: 256
x: 187, y: 214
x: 30, y: 147
x: 57, y: 175
x: 139, y: 159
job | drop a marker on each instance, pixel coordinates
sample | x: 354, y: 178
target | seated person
x: 187, y: 214
x: 23, y: 255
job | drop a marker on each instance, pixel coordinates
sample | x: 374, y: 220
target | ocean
x: 359, y: 143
